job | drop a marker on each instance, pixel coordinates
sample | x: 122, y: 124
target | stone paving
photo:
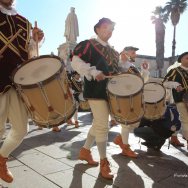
x: 47, y: 159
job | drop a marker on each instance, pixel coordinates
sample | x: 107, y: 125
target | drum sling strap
x: 76, y: 85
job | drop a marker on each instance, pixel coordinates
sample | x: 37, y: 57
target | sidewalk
x: 47, y: 159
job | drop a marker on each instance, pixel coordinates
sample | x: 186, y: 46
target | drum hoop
x: 51, y: 124
x: 44, y: 81
x: 34, y: 58
x: 127, y: 95
x: 161, y: 98
x: 120, y: 96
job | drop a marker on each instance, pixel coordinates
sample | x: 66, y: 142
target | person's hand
x: 145, y: 65
x: 179, y: 88
x: 37, y: 34
x: 100, y: 77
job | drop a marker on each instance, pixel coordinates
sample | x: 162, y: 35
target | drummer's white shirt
x: 172, y: 84
x: 10, y: 12
x: 85, y: 69
x: 125, y: 65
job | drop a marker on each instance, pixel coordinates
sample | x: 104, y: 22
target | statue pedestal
x: 64, y: 51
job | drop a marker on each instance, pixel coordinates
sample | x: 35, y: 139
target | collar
x: 10, y: 12
x: 102, y: 42
x: 185, y: 68
x: 126, y: 64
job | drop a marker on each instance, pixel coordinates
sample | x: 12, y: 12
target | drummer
x: 177, y: 80
x: 93, y: 59
x: 16, y: 46
x: 126, y: 64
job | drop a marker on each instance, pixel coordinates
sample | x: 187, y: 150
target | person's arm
x: 169, y: 81
x: 81, y: 61
x: 171, y: 84
x: 145, y: 71
x: 36, y: 41
x: 83, y: 68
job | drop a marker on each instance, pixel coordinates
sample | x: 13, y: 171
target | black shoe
x: 147, y: 144
x: 153, y: 146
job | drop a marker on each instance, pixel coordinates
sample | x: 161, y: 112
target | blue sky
x: 132, y: 17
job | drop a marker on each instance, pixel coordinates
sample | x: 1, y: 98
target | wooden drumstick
x: 8, y: 43
x: 113, y: 76
x: 37, y: 40
x: 109, y: 76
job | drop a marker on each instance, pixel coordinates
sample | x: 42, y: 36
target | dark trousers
x: 148, y: 134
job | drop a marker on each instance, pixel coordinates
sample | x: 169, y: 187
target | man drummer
x: 177, y: 80
x: 93, y: 59
x: 16, y: 46
x: 127, y: 58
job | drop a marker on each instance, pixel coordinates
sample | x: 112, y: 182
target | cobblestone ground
x: 48, y: 159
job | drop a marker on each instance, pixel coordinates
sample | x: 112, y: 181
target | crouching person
x: 155, y: 132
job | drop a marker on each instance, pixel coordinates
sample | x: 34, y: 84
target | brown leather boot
x: 5, y: 174
x: 118, y: 141
x: 105, y: 169
x: 76, y: 124
x: 85, y: 155
x: 128, y: 152
x: 175, y: 142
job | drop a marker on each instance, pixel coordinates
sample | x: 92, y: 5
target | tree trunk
x: 160, y: 35
x: 173, y: 47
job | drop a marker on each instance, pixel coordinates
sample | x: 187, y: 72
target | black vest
x: 104, y: 59
x: 17, y: 51
x: 181, y: 76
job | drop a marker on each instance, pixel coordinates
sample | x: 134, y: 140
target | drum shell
x: 156, y: 109
x: 127, y: 109
x: 50, y: 102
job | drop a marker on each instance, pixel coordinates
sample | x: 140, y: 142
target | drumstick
x: 37, y: 40
x: 113, y: 76
x: 8, y: 43
x: 109, y: 76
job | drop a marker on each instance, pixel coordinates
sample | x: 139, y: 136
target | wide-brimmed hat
x: 181, y: 56
x: 102, y: 21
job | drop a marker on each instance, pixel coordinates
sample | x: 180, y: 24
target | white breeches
x: 12, y: 107
x: 99, y: 127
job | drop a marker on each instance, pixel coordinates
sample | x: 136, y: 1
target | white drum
x: 125, y: 96
x: 43, y: 85
x: 154, y: 98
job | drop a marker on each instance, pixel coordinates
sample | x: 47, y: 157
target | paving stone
x: 25, y: 177
x: 75, y: 179
x: 48, y: 159
x: 42, y: 163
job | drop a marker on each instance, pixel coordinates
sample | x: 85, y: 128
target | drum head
x: 153, y: 92
x: 37, y: 70
x: 125, y: 85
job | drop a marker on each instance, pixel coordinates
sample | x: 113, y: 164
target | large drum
x: 125, y: 95
x: 43, y: 85
x: 154, y: 98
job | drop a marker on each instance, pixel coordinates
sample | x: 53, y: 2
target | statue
x: 71, y: 26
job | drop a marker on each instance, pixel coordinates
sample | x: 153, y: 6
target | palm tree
x: 174, y: 9
x: 159, y: 19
